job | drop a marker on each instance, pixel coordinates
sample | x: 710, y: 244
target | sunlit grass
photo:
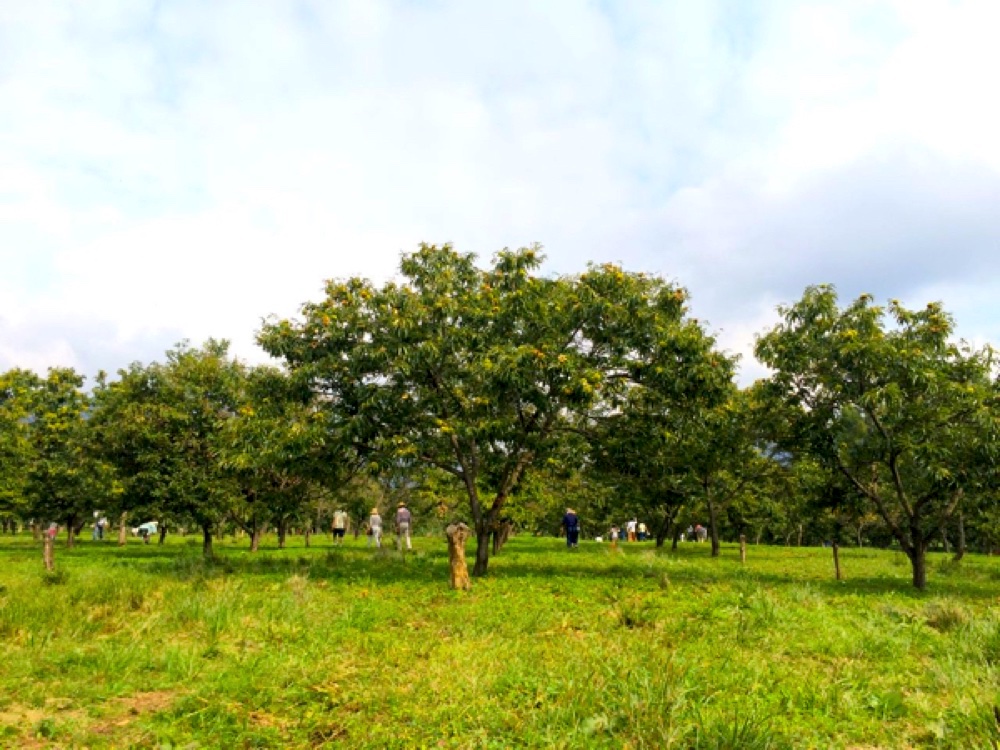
x: 152, y: 646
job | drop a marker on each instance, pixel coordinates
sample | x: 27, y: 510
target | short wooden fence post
x: 457, y: 534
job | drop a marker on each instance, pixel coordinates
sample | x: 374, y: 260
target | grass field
x: 148, y: 646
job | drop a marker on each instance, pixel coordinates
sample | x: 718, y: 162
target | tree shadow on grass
x: 181, y: 559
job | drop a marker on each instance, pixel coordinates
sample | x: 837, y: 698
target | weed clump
x: 944, y: 616
x: 991, y: 644
x: 637, y: 612
x: 55, y: 577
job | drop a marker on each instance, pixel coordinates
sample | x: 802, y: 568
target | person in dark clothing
x: 571, y: 523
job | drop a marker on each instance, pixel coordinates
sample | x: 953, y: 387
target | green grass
x: 149, y: 646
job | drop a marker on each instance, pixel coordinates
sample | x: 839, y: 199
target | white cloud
x: 184, y: 169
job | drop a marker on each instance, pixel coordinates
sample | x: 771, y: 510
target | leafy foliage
x: 477, y: 372
x: 884, y: 398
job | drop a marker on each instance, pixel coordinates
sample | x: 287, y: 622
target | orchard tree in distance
x: 16, y: 390
x: 161, y: 427
x: 885, y: 398
x: 477, y: 371
x: 279, y: 452
x: 64, y: 480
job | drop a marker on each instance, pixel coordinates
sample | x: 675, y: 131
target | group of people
x: 373, y: 528
x: 697, y: 533
x: 634, y: 531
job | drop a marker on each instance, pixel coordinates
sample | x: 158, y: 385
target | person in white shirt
x: 375, y: 528
x: 340, y: 522
x: 403, y: 520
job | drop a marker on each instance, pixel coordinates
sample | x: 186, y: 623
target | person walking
x: 630, y: 528
x: 375, y: 528
x: 403, y: 520
x: 643, y: 531
x: 340, y: 522
x: 571, y: 523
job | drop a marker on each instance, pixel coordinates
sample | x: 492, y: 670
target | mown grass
x: 151, y: 646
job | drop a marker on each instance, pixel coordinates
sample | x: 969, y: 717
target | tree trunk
x: 36, y: 532
x: 307, y: 534
x: 743, y: 548
x: 206, y: 544
x: 800, y: 535
x: 122, y: 531
x: 70, y: 535
x: 836, y: 560
x: 663, y: 530
x: 665, y: 526
x: 255, y: 536
x: 960, y: 541
x: 282, y: 533
x: 944, y: 540
x: 48, y: 552
x: 501, y: 533
x: 482, y: 549
x: 458, y: 570
x: 918, y: 560
x: 713, y: 526
x: 163, y: 533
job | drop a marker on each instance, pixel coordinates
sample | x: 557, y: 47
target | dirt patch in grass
x: 33, y: 727
x: 125, y: 710
x: 144, y: 703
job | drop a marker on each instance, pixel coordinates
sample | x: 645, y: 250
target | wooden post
x: 457, y: 534
x: 122, y: 532
x: 743, y: 548
x: 836, y: 561
x: 48, y: 552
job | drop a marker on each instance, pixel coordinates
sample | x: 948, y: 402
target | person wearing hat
x: 375, y: 528
x: 571, y: 522
x: 403, y: 520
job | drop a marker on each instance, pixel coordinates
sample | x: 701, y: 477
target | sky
x: 175, y: 169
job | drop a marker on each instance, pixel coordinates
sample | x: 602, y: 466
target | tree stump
x: 48, y: 552
x: 457, y: 534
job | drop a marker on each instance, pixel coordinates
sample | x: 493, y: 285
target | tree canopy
x: 884, y: 397
x: 478, y: 371
x: 492, y: 392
